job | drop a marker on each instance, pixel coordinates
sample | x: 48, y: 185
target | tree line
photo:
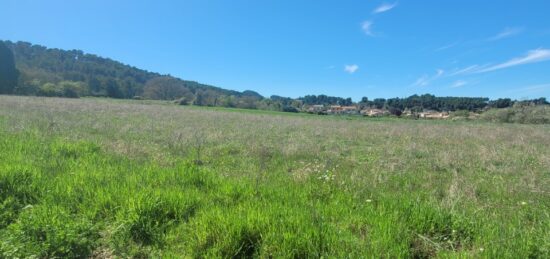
x: 27, y: 69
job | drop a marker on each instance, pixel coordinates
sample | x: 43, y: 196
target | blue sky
x: 293, y: 48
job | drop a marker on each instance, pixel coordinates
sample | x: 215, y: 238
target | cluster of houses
x: 372, y: 112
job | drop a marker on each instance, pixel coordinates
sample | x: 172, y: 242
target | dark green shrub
x: 70, y: 93
x: 395, y: 111
x: 290, y: 109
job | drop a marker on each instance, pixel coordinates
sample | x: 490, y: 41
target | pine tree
x: 8, y: 72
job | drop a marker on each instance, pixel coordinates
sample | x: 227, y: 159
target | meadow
x: 103, y: 178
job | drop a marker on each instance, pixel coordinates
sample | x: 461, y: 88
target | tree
x: 379, y: 103
x: 200, y: 98
x: 50, y: 90
x: 290, y: 109
x: 502, y: 103
x: 94, y: 85
x: 72, y: 89
x: 395, y: 111
x: 345, y: 102
x: 113, y: 89
x: 364, y: 103
x: 540, y: 101
x: 8, y: 73
x: 164, y: 88
x: 187, y: 98
x: 26, y: 85
x: 248, y: 102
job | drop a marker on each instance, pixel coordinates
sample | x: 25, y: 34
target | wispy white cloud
x: 506, y: 33
x: 366, y: 26
x: 467, y: 70
x: 448, y: 46
x: 533, y: 56
x: 425, y: 80
x: 458, y: 84
x: 422, y: 81
x: 351, y: 68
x: 384, y: 8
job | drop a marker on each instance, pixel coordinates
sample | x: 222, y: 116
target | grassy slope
x: 99, y: 177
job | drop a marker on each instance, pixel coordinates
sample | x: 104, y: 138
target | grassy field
x: 102, y: 178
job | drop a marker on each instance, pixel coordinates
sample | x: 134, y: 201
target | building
x: 337, y: 109
x: 434, y: 115
x: 316, y: 108
x: 374, y: 112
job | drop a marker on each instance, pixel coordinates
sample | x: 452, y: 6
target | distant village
x: 372, y: 112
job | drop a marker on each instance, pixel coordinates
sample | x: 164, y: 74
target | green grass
x: 102, y: 178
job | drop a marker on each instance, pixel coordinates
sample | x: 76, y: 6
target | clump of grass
x: 17, y: 190
x: 48, y: 232
x: 435, y: 231
x: 66, y: 150
x: 146, y: 219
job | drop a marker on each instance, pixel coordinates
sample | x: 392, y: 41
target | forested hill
x: 71, y: 73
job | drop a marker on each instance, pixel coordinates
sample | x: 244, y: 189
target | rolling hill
x: 56, y: 72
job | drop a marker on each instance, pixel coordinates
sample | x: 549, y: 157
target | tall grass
x: 96, y: 178
x: 539, y: 114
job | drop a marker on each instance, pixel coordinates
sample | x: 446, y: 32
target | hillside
x: 55, y: 72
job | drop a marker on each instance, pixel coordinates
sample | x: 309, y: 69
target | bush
x: 67, y: 89
x: 50, y: 90
x: 519, y: 114
x: 395, y: 111
x: 184, y: 101
x: 461, y: 113
x: 70, y: 93
x: 290, y: 109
